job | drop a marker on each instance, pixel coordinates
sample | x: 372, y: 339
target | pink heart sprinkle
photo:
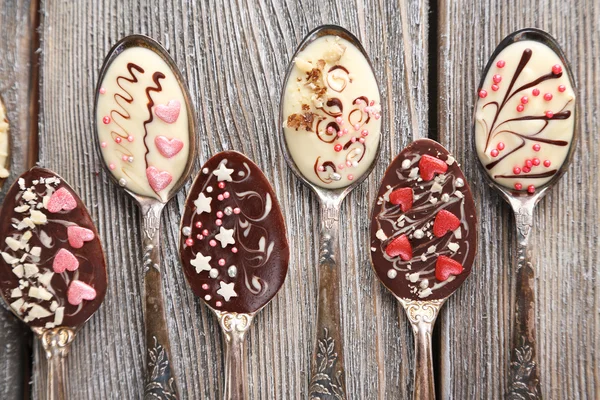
x: 60, y: 200
x: 77, y: 235
x: 158, y: 180
x: 79, y: 291
x: 168, y: 113
x: 63, y: 260
x: 168, y: 147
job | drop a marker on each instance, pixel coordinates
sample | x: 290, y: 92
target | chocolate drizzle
x: 527, y: 53
x: 129, y: 99
x: 522, y: 127
x: 156, y: 77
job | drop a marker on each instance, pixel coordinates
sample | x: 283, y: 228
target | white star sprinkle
x: 202, y: 204
x: 201, y: 263
x: 225, y: 236
x: 226, y: 290
x: 223, y: 173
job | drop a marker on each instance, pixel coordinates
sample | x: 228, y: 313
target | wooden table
x: 428, y: 58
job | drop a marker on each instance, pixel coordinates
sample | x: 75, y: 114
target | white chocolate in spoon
x: 331, y: 113
x: 3, y: 143
x: 525, y: 116
x: 142, y: 123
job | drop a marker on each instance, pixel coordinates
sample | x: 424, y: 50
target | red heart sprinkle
x: 402, y: 196
x: 169, y: 112
x: 168, y: 147
x: 79, y: 291
x: 64, y: 260
x: 78, y: 235
x: 445, y: 221
x: 429, y: 166
x: 445, y: 266
x: 158, y: 180
x: 60, y: 200
x: 400, y: 246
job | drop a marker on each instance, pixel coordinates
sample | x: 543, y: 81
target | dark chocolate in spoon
x: 423, y: 228
x: 52, y: 269
x: 233, y: 242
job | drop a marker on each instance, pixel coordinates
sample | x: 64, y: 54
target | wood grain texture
x: 234, y: 57
x: 476, y: 326
x: 17, y: 89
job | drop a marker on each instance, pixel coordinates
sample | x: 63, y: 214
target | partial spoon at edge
x: 4, y: 144
x: 524, y: 161
x: 52, y: 269
x: 423, y: 241
x: 349, y: 129
x: 148, y: 149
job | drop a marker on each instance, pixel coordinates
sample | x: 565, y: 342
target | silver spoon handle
x: 524, y: 378
x: 56, y: 343
x: 422, y: 316
x: 160, y: 376
x: 234, y: 327
x: 327, y: 372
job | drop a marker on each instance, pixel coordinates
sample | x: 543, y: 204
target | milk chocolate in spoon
x: 423, y: 240
x: 234, y: 250
x: 52, y: 269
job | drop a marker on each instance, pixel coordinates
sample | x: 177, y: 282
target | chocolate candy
x: 331, y: 112
x: 144, y: 119
x: 233, y: 244
x: 52, y: 268
x: 423, y: 227
x: 525, y: 112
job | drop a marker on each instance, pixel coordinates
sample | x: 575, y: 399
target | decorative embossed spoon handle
x: 160, y: 381
x: 536, y: 64
x: 422, y: 316
x: 234, y: 327
x: 56, y: 343
x: 327, y: 370
x: 524, y: 373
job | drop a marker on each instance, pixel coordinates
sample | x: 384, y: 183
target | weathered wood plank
x: 475, y: 327
x: 234, y: 57
x: 18, y: 20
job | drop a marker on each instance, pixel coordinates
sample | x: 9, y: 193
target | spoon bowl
x: 140, y: 89
x: 532, y: 75
x: 52, y: 270
x: 328, y: 183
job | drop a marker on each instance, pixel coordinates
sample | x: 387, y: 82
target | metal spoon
x: 52, y: 269
x: 524, y: 371
x: 327, y: 372
x: 234, y: 252
x: 160, y: 376
x: 422, y: 226
x: 4, y: 144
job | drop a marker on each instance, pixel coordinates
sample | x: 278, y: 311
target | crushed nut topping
x: 304, y: 121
